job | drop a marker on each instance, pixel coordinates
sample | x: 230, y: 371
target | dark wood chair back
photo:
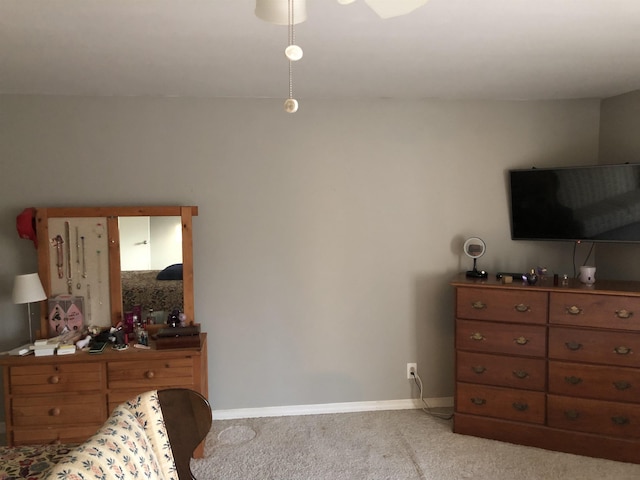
x: 187, y: 417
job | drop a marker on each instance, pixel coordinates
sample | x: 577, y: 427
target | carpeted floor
x: 398, y: 445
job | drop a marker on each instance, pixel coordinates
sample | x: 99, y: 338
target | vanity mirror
x: 86, y: 255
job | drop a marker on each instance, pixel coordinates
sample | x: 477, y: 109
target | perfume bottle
x: 532, y: 277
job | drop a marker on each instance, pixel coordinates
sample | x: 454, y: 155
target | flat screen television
x: 593, y: 203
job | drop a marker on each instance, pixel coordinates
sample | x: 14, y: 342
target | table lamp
x: 27, y: 289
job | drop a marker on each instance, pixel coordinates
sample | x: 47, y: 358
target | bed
x: 160, y: 290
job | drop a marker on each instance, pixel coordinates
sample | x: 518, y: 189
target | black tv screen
x: 594, y: 203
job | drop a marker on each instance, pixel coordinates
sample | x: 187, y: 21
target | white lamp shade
x: 277, y: 11
x: 28, y: 288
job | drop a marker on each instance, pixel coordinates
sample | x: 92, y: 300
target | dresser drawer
x: 510, y: 404
x: 56, y: 378
x: 594, y: 416
x: 67, y: 409
x: 508, y: 305
x: 516, y: 372
x: 57, y: 434
x: 594, y: 381
x: 589, y: 310
x: 593, y: 346
x: 146, y: 375
x: 507, y: 338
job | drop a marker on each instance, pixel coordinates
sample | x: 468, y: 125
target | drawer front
x: 516, y: 372
x: 593, y: 346
x: 594, y: 416
x: 501, y: 305
x: 151, y: 375
x: 507, y: 338
x: 59, y: 434
x: 56, y: 378
x: 595, y: 381
x: 589, y: 310
x: 50, y: 410
x: 509, y: 404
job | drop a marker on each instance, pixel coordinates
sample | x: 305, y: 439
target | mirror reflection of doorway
x: 149, y: 243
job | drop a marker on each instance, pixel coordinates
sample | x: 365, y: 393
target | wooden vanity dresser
x: 66, y: 398
x: 555, y: 367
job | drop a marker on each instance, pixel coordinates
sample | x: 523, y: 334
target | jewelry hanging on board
x: 99, y: 229
x: 57, y: 243
x: 84, y: 261
x: 88, y: 302
x: 68, y: 242
x: 99, y: 279
x: 78, y: 285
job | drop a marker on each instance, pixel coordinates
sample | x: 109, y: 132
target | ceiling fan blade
x: 394, y: 8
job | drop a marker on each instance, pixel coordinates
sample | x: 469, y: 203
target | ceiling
x: 480, y: 49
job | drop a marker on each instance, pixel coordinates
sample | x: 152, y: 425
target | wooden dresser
x: 67, y: 398
x: 556, y: 367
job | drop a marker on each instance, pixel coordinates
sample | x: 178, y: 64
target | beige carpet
x: 399, y: 445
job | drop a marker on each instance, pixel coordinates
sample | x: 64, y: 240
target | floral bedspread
x: 31, y: 461
x: 142, y: 288
x: 132, y: 444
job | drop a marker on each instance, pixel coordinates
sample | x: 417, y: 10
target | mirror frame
x: 111, y: 214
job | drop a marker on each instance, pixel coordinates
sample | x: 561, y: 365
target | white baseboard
x: 318, y: 409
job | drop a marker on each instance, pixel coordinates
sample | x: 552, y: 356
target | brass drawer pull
x: 573, y: 345
x: 574, y: 310
x: 620, y: 420
x: 573, y: 380
x: 478, y: 401
x: 479, y: 305
x: 521, y: 374
x: 624, y: 314
x: 622, y: 385
x: 522, y: 308
x: 149, y: 374
x: 54, y: 412
x: 572, y: 414
x: 479, y: 369
x: 521, y: 407
x: 55, y: 379
x: 477, y: 336
x: 521, y: 340
x: 622, y: 350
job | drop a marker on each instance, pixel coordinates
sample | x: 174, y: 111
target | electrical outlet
x: 411, y: 368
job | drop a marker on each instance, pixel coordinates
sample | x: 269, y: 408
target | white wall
x: 325, y: 240
x: 619, y: 143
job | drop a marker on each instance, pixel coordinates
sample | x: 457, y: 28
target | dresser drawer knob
x: 574, y: 310
x: 54, y: 379
x: 620, y: 420
x: 54, y: 412
x: 624, y: 314
x: 478, y: 401
x: 573, y: 380
x: 572, y: 414
x: 149, y: 374
x: 573, y: 346
x: 521, y: 340
x: 479, y: 369
x: 479, y: 305
x: 521, y: 374
x: 477, y: 336
x: 521, y: 407
x: 522, y: 308
x: 622, y: 350
x: 622, y: 385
